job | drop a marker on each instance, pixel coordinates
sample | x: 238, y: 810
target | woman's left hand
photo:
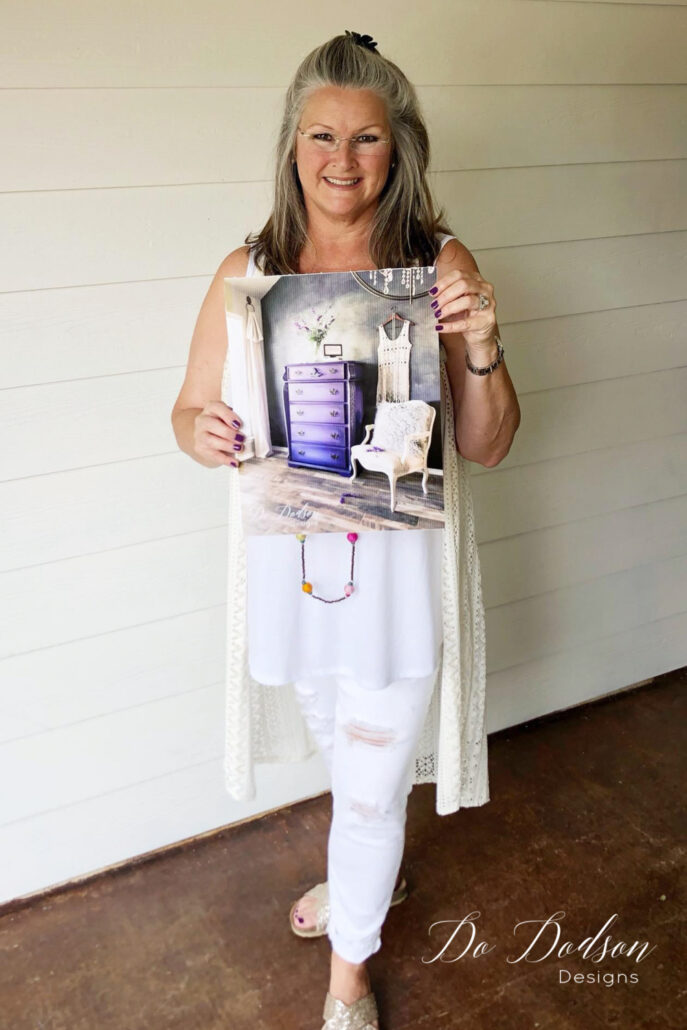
x: 455, y: 302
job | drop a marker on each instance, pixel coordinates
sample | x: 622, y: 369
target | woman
x: 351, y: 194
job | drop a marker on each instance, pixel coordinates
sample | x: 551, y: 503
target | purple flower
x: 319, y: 328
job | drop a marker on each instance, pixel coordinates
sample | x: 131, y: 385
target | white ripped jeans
x: 368, y: 740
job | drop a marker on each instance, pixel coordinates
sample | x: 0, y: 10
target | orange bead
x: 307, y: 588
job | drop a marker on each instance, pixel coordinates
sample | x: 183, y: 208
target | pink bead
x: 352, y: 537
x: 348, y: 589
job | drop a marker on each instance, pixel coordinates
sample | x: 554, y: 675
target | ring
x: 483, y: 302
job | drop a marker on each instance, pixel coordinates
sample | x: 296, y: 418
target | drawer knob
x: 335, y: 436
x: 298, y: 390
x: 334, y: 456
x: 334, y: 390
x: 301, y: 452
x: 299, y: 411
x: 301, y: 432
x: 334, y: 412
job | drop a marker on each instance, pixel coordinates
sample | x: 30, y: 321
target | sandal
x: 321, y: 892
x: 357, y: 1016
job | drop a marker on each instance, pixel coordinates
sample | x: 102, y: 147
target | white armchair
x: 402, y: 432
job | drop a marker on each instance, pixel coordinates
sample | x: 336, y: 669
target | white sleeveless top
x: 390, y: 628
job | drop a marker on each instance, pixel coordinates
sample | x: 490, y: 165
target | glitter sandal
x: 321, y: 892
x: 357, y: 1016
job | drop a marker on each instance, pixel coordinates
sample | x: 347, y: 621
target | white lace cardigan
x: 264, y: 723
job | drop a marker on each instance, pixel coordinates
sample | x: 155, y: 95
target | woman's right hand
x: 216, y: 434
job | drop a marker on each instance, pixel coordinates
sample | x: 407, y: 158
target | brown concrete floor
x: 586, y: 819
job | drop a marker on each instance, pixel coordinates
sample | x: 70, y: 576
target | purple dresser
x: 323, y: 407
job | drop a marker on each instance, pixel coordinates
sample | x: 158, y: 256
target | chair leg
x: 354, y: 463
x: 425, y: 474
x: 392, y: 485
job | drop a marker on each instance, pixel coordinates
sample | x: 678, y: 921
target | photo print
x: 336, y: 379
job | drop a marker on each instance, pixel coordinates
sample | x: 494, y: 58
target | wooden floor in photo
x: 276, y: 498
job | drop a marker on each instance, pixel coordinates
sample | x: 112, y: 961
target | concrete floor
x: 586, y: 820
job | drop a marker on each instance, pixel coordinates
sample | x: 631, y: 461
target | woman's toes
x: 305, y: 913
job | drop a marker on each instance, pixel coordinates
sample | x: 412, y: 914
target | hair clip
x: 366, y: 41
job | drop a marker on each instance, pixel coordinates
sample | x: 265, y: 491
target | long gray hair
x: 405, y: 222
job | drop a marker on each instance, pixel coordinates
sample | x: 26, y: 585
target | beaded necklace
x: 306, y: 586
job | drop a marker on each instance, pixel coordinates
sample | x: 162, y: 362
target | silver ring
x: 483, y: 302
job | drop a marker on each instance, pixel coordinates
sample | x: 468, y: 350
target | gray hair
x: 405, y: 223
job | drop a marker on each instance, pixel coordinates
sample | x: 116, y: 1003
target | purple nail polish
x: 433, y: 290
x: 239, y: 436
x: 437, y: 327
x: 236, y: 423
x: 437, y: 312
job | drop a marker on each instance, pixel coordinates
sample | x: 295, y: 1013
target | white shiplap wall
x: 138, y: 141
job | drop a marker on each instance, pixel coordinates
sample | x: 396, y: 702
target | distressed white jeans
x: 368, y: 740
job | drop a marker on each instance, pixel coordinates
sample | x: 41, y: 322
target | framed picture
x: 335, y: 377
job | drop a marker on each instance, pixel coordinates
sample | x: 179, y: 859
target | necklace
x: 306, y: 586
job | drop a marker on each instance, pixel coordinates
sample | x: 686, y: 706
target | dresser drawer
x: 317, y: 391
x: 334, y: 435
x: 319, y: 454
x: 325, y: 370
x: 318, y: 413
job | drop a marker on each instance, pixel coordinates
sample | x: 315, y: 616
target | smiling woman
x: 403, y: 652
x: 334, y: 158
x: 343, y: 94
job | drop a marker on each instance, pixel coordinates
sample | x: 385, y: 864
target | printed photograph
x: 336, y: 378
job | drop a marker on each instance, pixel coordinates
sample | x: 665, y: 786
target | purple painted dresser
x: 323, y: 407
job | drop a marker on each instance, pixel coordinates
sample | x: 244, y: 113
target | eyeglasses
x: 363, y: 144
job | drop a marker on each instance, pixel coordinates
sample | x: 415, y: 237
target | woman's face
x: 342, y: 112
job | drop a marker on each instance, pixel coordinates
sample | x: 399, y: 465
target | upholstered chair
x: 401, y: 435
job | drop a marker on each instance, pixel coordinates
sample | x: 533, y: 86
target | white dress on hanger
x: 393, y: 363
x: 257, y: 387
